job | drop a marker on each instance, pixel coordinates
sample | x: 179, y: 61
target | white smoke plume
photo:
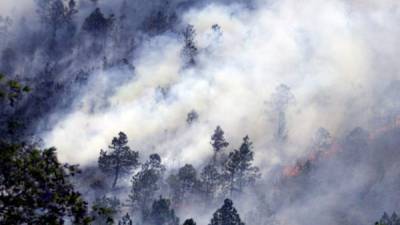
x: 336, y: 56
x: 12, y: 8
x: 328, y: 52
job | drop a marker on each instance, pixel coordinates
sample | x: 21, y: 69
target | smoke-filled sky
x: 332, y: 54
x: 339, y: 58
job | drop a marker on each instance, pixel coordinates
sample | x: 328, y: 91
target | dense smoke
x: 278, y: 71
x: 329, y: 54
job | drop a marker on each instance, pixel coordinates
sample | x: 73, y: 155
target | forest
x: 214, y: 112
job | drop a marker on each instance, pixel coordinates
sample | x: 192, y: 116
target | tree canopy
x: 120, y: 159
x: 226, y: 215
x: 35, y: 188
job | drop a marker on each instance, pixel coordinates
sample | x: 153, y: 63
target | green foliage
x: 146, y: 183
x: 104, y: 209
x: 11, y: 90
x: 13, y: 84
x: 218, y: 141
x: 162, y: 214
x: 226, y: 215
x: 184, y: 183
x: 210, y: 179
x: 35, y: 188
x: 239, y: 169
x: 26, y: 89
x: 120, y: 159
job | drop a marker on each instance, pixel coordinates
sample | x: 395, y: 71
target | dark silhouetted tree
x: 192, y: 117
x: 35, y: 188
x: 11, y: 90
x: 189, y: 222
x: 125, y: 220
x: 160, y: 19
x: 210, y: 180
x: 162, y: 214
x: 146, y: 183
x: 104, y: 210
x: 226, y: 215
x: 218, y: 142
x: 120, y: 160
x: 395, y: 219
x: 97, y: 24
x: 11, y: 93
x: 57, y: 16
x: 184, y: 183
x: 187, y: 176
x: 189, y: 51
x: 239, y: 169
x: 386, y: 220
x: 51, y: 13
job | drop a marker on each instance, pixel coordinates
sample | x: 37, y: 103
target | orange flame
x: 297, y: 169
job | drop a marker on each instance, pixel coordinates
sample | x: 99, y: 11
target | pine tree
x: 184, y: 183
x: 218, y: 141
x: 57, y: 18
x: 125, y: 220
x: 231, y: 169
x: 35, y: 188
x: 239, y: 169
x: 11, y: 91
x: 120, y: 160
x: 51, y: 13
x: 146, y: 183
x: 190, y: 50
x: 395, y: 219
x: 192, y: 117
x: 162, y: 214
x: 187, y: 176
x: 189, y: 222
x: 210, y: 179
x: 97, y: 24
x: 104, y: 210
x: 226, y: 215
x: 385, y: 219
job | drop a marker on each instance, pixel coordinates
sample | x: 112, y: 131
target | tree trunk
x: 116, y: 176
x: 215, y: 158
x: 232, y: 178
x: 240, y: 181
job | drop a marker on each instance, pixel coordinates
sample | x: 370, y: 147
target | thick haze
x: 339, y: 58
x: 332, y: 54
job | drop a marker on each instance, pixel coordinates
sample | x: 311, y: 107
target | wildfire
x: 384, y: 129
x: 301, y: 165
x: 292, y: 171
